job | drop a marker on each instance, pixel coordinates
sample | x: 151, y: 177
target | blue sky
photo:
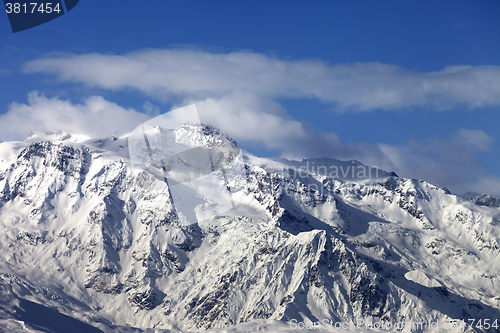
x: 412, y: 86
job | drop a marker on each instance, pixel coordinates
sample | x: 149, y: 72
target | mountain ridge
x: 77, y: 219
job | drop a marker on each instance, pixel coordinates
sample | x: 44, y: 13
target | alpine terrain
x: 92, y: 243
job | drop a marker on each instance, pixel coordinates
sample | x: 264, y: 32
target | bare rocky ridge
x: 101, y: 244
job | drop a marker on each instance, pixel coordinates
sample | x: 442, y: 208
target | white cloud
x: 163, y: 73
x: 450, y: 161
x: 96, y: 117
x: 238, y: 91
x: 250, y: 119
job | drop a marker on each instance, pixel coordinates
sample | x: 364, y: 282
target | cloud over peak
x: 449, y: 161
x: 240, y: 93
x: 96, y: 117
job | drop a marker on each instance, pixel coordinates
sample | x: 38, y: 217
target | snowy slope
x: 89, y: 240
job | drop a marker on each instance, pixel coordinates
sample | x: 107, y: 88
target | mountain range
x: 91, y: 243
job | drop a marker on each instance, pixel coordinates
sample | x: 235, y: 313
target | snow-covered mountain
x: 482, y: 199
x: 91, y: 244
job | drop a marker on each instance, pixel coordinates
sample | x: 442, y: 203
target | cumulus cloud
x: 164, y: 73
x: 96, y: 117
x: 238, y: 92
x: 250, y: 119
x: 450, y: 161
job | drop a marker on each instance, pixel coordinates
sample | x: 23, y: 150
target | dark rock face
x: 364, y: 283
x: 212, y: 307
x: 144, y: 300
x: 72, y: 162
x: 102, y: 281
